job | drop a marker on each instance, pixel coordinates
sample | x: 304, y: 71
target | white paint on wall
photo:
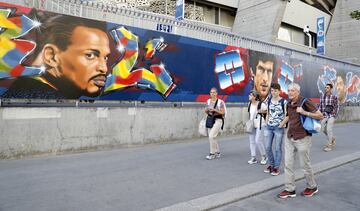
x: 31, y: 113
x: 131, y: 111
x: 102, y: 112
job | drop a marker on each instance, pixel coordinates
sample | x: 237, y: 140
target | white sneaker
x: 252, y: 161
x: 210, y: 156
x: 263, y: 160
x: 217, y: 155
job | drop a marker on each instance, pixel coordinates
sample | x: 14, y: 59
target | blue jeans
x: 274, y: 134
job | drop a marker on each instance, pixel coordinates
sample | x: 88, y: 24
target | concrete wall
x: 299, y: 14
x: 343, y: 40
x: 33, y: 131
x: 259, y: 19
x: 28, y: 131
x: 229, y: 3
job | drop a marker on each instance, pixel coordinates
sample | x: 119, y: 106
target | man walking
x: 329, y: 107
x: 274, y: 132
x: 298, y: 141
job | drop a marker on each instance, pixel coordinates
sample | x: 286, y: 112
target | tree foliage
x: 355, y: 14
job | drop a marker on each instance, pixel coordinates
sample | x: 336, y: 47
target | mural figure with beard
x: 341, y: 86
x: 74, y: 52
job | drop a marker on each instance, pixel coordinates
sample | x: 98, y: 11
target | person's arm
x: 283, y: 123
x: 316, y: 115
x: 309, y: 106
x: 286, y: 119
x: 336, y: 106
x: 321, y: 103
x: 207, y: 110
x: 220, y: 111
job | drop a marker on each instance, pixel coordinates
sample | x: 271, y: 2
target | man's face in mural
x: 84, y: 61
x: 341, y: 89
x: 263, y: 76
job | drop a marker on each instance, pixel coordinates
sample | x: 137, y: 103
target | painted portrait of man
x: 262, y: 66
x: 74, y: 53
x: 341, y: 87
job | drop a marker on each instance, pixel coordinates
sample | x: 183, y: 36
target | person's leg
x: 269, y: 137
x: 330, y: 134
x: 289, y: 165
x: 260, y: 144
x: 278, y: 140
x: 214, y: 146
x: 259, y: 141
x: 323, y: 125
x: 252, y: 144
x: 252, y: 148
x: 303, y: 146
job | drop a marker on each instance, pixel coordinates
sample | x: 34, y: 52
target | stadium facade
x: 276, y: 21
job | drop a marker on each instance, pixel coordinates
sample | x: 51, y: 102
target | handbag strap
x: 214, y: 106
x: 216, y: 103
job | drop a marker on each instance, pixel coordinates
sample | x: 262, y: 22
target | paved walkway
x: 339, y: 189
x: 169, y: 176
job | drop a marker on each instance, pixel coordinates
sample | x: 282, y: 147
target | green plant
x: 355, y: 14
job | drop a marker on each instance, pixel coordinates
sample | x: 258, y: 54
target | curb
x: 239, y: 193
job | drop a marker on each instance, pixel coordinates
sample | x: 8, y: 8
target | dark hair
x: 57, y: 30
x: 256, y: 94
x: 329, y: 84
x: 255, y: 57
x: 275, y: 86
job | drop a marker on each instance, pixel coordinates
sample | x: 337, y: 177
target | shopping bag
x: 202, y: 127
x: 249, y: 126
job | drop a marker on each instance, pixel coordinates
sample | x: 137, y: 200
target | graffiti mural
x: 346, y: 84
x: 70, y: 58
x: 45, y: 55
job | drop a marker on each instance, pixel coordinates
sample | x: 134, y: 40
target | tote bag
x: 202, y: 128
x: 249, y: 126
x: 311, y: 125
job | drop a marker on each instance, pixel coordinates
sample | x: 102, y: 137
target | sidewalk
x: 168, y: 177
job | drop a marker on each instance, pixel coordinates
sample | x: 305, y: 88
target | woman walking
x: 256, y: 136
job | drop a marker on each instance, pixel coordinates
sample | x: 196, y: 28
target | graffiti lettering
x: 123, y: 75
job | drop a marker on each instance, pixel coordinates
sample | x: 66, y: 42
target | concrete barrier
x: 36, y: 131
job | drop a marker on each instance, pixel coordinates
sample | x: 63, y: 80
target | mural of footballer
x: 74, y: 52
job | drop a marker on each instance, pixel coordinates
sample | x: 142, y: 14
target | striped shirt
x: 329, y: 100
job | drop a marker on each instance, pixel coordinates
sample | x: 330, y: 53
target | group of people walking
x: 276, y: 120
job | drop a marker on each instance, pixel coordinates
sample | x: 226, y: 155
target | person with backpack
x: 215, y: 109
x: 274, y: 130
x: 255, y: 137
x: 329, y: 107
x: 298, y: 141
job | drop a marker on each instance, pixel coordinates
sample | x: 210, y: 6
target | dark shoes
x: 275, y: 172
x: 286, y: 194
x: 268, y: 169
x: 310, y: 192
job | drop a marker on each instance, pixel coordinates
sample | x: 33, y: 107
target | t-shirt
x: 220, y: 104
x: 296, y: 129
x: 276, y: 112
